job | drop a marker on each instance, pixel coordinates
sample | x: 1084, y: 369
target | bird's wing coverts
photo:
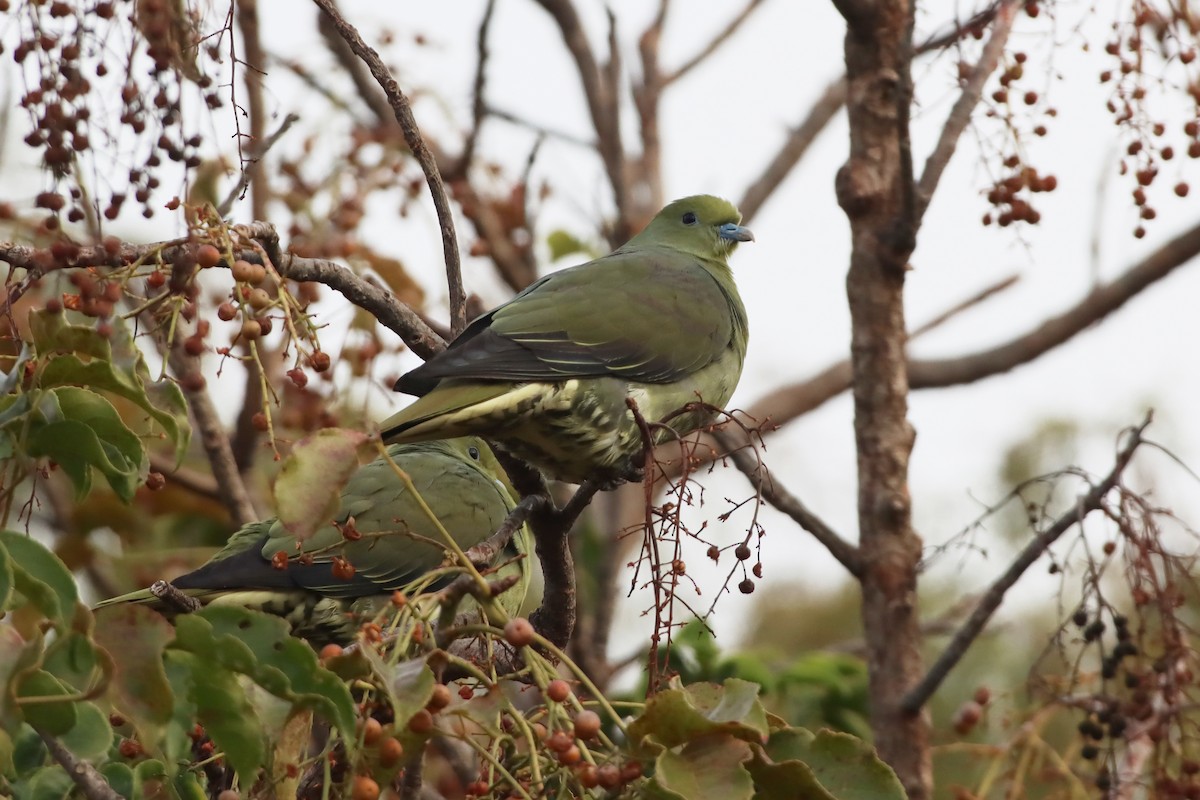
x: 469, y: 502
x: 652, y: 315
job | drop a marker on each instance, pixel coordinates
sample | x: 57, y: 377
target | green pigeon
x: 547, y: 374
x: 460, y: 480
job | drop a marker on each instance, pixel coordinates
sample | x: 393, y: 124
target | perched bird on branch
x: 381, y: 541
x: 547, y: 374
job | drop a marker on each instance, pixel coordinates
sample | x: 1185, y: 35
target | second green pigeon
x: 547, y: 374
x: 461, y: 482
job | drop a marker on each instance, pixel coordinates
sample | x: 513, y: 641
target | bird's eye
x: 473, y: 452
x: 690, y: 218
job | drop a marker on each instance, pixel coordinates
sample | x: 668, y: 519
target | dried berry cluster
x: 1155, y: 52
x: 1137, y: 722
x: 1023, y: 112
x: 73, y: 67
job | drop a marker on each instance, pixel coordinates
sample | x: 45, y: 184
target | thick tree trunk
x: 876, y: 190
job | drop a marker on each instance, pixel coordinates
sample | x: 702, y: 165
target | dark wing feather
x: 653, y: 315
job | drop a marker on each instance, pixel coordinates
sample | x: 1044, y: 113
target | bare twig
x: 255, y: 62
x: 1094, y: 306
x: 478, y: 108
x: 794, y: 147
x: 213, y: 439
x: 716, y: 42
x: 780, y: 498
x: 245, y: 440
x: 369, y: 296
x: 826, y: 107
x: 410, y: 783
x: 943, y: 624
x: 646, y: 100
x: 401, y: 319
x: 364, y: 85
x: 972, y: 301
x: 555, y: 619
x: 994, y: 596
x: 193, y: 481
x: 82, y: 774
x: 960, y: 114
x: 485, y: 553
x: 174, y: 599
x: 786, y: 403
x: 416, y: 143
x: 959, y: 29
x: 259, y: 150
x: 602, y: 102
x: 549, y: 133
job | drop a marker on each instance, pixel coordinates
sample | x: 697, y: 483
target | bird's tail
x: 141, y: 596
x: 453, y: 410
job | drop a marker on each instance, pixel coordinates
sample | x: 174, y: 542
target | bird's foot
x: 630, y: 472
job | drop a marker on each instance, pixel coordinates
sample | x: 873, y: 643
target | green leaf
x: 228, y: 718
x: 51, y: 716
x: 120, y: 778
x: 6, y: 577
x: 52, y: 333
x: 683, y: 714
x: 40, y: 577
x: 563, y: 244
x: 7, y: 765
x: 71, y: 371
x: 308, y: 489
x: 14, y: 407
x: 91, y: 736
x: 72, y: 659
x: 52, y: 783
x: 166, y: 402
x: 709, y: 768
x: 825, y: 766
x: 29, y: 751
x: 90, y: 434
x: 175, y: 745
x: 409, y: 684
x: 260, y: 647
x: 135, y: 637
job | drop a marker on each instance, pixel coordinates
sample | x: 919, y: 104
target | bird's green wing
x: 649, y: 314
x: 398, y: 543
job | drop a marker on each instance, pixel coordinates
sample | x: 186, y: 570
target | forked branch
x: 994, y: 596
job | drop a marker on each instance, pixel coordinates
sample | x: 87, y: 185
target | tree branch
x: 393, y: 314
x: 260, y: 150
x: 994, y: 596
x: 256, y: 62
x: 478, y: 108
x: 826, y: 107
x: 780, y: 498
x: 195, y: 482
x: 89, y: 780
x: 794, y: 147
x: 602, y: 102
x: 1095, y: 306
x: 416, y: 143
x: 960, y: 114
x: 716, y: 42
x: 789, y: 402
x: 958, y: 308
x: 369, y: 296
x: 213, y: 438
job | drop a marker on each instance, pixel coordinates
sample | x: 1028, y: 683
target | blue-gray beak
x: 735, y: 233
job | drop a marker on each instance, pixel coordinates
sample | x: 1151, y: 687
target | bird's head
x: 701, y: 225
x: 476, y: 451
